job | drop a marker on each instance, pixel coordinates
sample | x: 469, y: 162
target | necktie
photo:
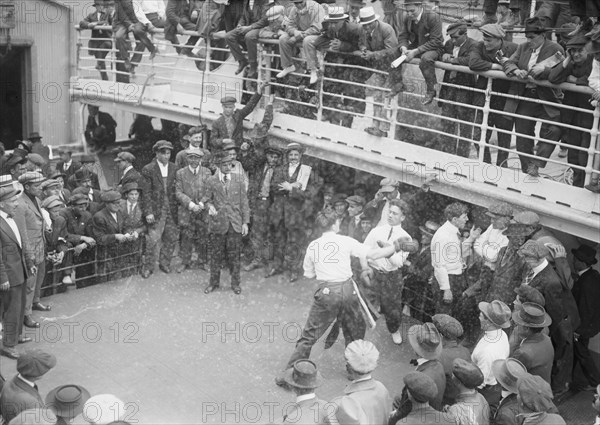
x: 391, y: 231
x: 529, y: 277
x: 130, y: 209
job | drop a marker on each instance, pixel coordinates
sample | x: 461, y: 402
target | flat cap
x: 6, y: 180
x: 295, y: 147
x: 228, y: 99
x: 221, y: 156
x: 528, y: 294
x: 228, y: 144
x: 456, y: 26
x: 500, y: 209
x: 362, y: 356
x: 125, y: 156
x: 528, y: 218
x: 273, y: 150
x: 79, y: 199
x: 356, y: 200
x: 468, y: 373
x: 37, y: 416
x: 534, y: 24
x: 421, y: 387
x: 52, y: 201
x: 57, y: 174
x: 533, y: 249
x: 8, y: 192
x: 493, y: 30
x: 35, y: 363
x: 194, y: 152
x: 49, y: 183
x: 162, y: 144
x: 516, y: 229
x: 275, y: 12
x: 449, y: 327
x: 128, y: 187
x: 102, y: 409
x: 388, y: 185
x: 110, y: 196
x: 87, y: 158
x: 31, y: 177
x: 535, y: 393
x: 36, y: 159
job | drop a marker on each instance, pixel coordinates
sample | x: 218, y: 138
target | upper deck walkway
x: 172, y: 87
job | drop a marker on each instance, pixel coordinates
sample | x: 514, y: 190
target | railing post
x: 321, y: 83
x: 207, y: 55
x: 593, y: 161
x: 392, y: 107
x: 484, y: 121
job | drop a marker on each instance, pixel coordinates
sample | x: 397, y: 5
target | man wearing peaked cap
x: 372, y: 396
x: 493, y: 318
x: 420, y: 391
x: 535, y: 350
x: 21, y: 393
x: 355, y: 213
x: 37, y: 226
x: 129, y: 174
x: 470, y: 406
x: 535, y: 398
x: 56, y: 239
x: 527, y: 294
x: 159, y: 209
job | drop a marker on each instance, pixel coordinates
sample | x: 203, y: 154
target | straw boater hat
x: 335, y: 13
x: 368, y: 15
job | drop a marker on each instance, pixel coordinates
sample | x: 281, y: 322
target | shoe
x: 533, y: 170
x: 165, y: 269
x: 376, y: 132
x: 293, y: 277
x: 396, y: 88
x: 146, y: 273
x: 41, y: 307
x: 593, y: 187
x: 11, y: 353
x: 562, y: 153
x: 209, y: 289
x: 272, y: 272
x: 314, y: 77
x: 24, y: 340
x: 286, y: 71
x: 30, y: 323
x: 428, y: 98
x: 242, y: 65
x: 252, y: 71
x: 181, y: 267
x: 490, y: 18
x: 236, y: 290
x: 255, y: 264
x: 67, y: 280
x: 397, y: 337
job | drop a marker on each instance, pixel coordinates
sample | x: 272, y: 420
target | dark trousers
x: 139, y: 32
x: 139, y: 46
x: 236, y: 38
x: 491, y: 6
x: 193, y: 237
x: 164, y: 230
x: 99, y: 48
x: 225, y: 245
x: 171, y: 34
x: 583, y: 358
x: 12, y: 314
x: 289, y: 247
x: 527, y: 127
x: 562, y: 367
x: 463, y: 113
x: 500, y: 123
x: 577, y: 137
x: 427, y: 67
x: 337, y: 302
x: 260, y: 236
x: 458, y: 284
x: 389, y: 291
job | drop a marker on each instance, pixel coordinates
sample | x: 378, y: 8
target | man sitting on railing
x: 253, y: 19
x: 304, y: 19
x: 179, y: 19
x: 421, y: 37
x: 533, y: 61
x: 594, y: 82
x: 125, y: 21
x: 101, y: 41
x: 376, y: 47
x: 151, y: 13
x: 488, y: 55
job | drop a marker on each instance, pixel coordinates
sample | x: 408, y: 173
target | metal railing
x: 318, y: 102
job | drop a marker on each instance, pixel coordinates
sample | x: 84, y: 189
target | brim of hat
x: 591, y: 261
x: 497, y: 371
x: 427, y: 355
x: 271, y: 150
x: 503, y: 325
x: 288, y: 377
x: 519, y: 321
x: 341, y: 18
x: 67, y: 411
x: 492, y: 214
x: 387, y: 189
x: 426, y: 230
x: 16, y: 193
x: 375, y: 18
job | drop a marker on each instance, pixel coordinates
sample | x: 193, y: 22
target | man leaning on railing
x: 593, y: 48
x: 101, y: 41
x: 125, y: 20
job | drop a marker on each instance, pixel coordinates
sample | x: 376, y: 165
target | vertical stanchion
x: 484, y: 120
x: 593, y: 161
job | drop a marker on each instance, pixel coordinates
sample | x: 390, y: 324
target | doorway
x: 12, y: 102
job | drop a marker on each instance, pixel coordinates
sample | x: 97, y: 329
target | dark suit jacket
x: 133, y: 222
x: 426, y: 35
x: 77, y: 225
x: 177, y: 10
x: 459, y: 78
x: 190, y: 188
x: 548, y: 283
x: 57, y: 238
x: 586, y: 292
x: 124, y: 13
x: 93, y: 18
x: 383, y: 43
x: 36, y: 227
x: 537, y: 354
x: 450, y: 352
x: 154, y: 191
x: 18, y: 396
x: 104, y: 120
x: 132, y: 175
x: 219, y: 128
x: 256, y: 17
x: 232, y: 206
x: 15, y: 261
x: 507, y: 412
x: 104, y: 227
x: 435, y: 370
x: 520, y: 60
x: 291, y: 208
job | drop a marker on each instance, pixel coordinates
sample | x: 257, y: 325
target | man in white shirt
x: 387, y: 275
x: 152, y: 15
x: 494, y: 317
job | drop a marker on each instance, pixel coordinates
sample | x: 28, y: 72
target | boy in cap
x: 21, y: 392
x: 490, y: 54
x: 470, y: 406
x: 129, y: 174
x: 14, y: 270
x: 190, y: 189
x: 50, y: 187
x: 229, y: 125
x: 457, y: 51
x: 159, y: 207
x: 379, y: 207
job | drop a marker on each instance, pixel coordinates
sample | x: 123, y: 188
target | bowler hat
x: 8, y: 192
x: 493, y: 30
x: 501, y: 209
x: 128, y: 187
x: 535, y: 25
x: 125, y: 156
x: 448, y: 326
x: 335, y: 13
x: 585, y: 253
x: 496, y: 312
x: 425, y: 340
x: 228, y: 99
x: 295, y: 147
x: 362, y: 356
x: 303, y: 374
x: 162, y: 144
x: 34, y: 136
x: 421, y: 387
x: 507, y: 372
x: 31, y: 177
x: 468, y: 373
x: 367, y: 15
x: 110, y: 196
x: 533, y: 249
x: 67, y: 401
x: 34, y: 363
x: 103, y: 409
x: 529, y: 294
x: 532, y: 315
x: 430, y: 227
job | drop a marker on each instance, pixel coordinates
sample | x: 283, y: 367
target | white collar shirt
x: 328, y: 257
x: 446, y: 254
x: 305, y: 397
x: 489, y: 244
x: 13, y: 226
x: 67, y: 164
x: 164, y: 169
x: 538, y: 269
x: 130, y: 167
x: 387, y: 234
x: 491, y: 347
